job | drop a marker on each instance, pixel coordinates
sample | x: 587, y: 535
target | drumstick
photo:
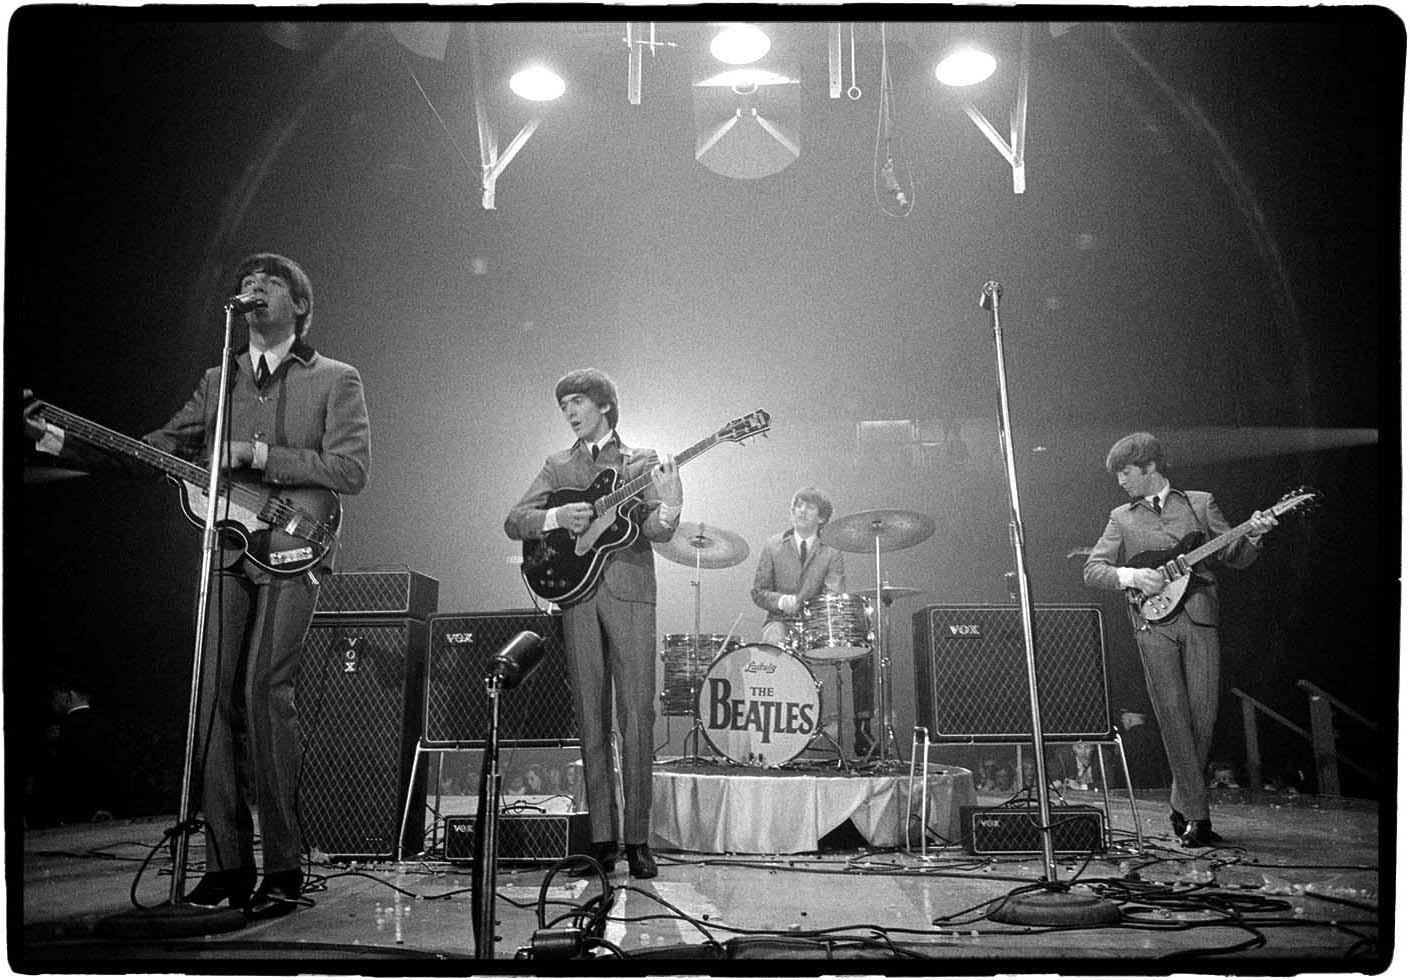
x: 729, y: 634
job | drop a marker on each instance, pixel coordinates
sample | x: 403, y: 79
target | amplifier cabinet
x: 972, y: 673
x: 378, y: 593
x: 525, y: 837
x: 1015, y: 829
x: 537, y: 712
x: 359, y: 698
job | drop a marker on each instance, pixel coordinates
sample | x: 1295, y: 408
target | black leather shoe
x: 1178, y: 823
x: 640, y: 861
x: 604, y: 853
x: 233, y: 885
x: 1199, y: 834
x: 277, y: 895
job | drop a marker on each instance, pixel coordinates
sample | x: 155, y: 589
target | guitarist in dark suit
x: 296, y: 419
x: 1180, y: 654
x: 609, y: 631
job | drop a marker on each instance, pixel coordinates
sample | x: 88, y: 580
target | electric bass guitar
x: 561, y: 568
x: 286, y: 534
x: 1176, y: 563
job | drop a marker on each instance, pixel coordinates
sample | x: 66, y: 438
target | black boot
x: 215, y: 887
x: 861, y: 737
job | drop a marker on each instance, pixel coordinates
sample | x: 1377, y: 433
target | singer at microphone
x: 246, y: 302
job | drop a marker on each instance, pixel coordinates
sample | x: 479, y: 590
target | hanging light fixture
x: 740, y: 44
x: 537, y: 84
x: 965, y: 65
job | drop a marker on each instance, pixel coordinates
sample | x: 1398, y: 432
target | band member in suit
x: 610, y: 633
x: 794, y: 566
x: 297, y: 418
x: 1180, y: 655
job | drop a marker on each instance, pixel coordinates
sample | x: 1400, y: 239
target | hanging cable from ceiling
x: 892, y: 183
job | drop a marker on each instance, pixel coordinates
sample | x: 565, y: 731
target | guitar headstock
x: 756, y: 423
x: 1299, y: 497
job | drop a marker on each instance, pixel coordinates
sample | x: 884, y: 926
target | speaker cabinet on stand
x: 972, y: 682
x: 457, y: 717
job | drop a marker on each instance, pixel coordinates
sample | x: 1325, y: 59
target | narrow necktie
x: 802, y: 552
x: 595, y: 451
x: 262, y: 372
x: 1155, y: 504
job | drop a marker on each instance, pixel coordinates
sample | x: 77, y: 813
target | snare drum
x: 759, y: 705
x: 837, y: 626
x: 685, y: 666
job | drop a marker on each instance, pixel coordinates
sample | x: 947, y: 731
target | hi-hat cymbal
x: 716, y: 547
x: 889, y: 592
x: 893, y: 529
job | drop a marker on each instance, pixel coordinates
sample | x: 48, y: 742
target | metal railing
x: 1322, y: 736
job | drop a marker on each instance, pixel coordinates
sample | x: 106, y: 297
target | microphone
x: 991, y: 294
x: 515, y: 660
x: 246, y: 302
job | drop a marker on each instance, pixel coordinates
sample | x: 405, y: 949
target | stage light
x: 746, y: 80
x: 537, y: 84
x: 740, y: 44
x: 964, y: 66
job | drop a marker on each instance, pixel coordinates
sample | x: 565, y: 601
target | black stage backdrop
x: 1207, y: 247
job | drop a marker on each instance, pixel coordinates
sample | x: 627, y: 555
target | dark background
x: 1207, y: 248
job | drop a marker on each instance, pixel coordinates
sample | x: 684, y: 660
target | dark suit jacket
x: 1134, y: 527
x: 779, y: 574
x: 629, y: 573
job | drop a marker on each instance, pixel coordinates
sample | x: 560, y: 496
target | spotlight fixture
x: 537, y: 84
x: 965, y: 66
x: 740, y: 44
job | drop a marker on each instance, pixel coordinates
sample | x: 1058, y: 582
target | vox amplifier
x: 395, y: 593
x: 1014, y: 829
x: 528, y: 838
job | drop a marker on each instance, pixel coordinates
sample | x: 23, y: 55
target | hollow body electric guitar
x: 1176, y: 563
x: 562, y: 568
x: 286, y: 534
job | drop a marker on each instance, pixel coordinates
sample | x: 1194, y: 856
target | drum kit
x: 759, y: 704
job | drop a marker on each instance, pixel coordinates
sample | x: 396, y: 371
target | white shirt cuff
x: 52, y: 442
x: 550, y: 520
x: 261, y: 455
x: 1127, y: 577
x: 669, y: 512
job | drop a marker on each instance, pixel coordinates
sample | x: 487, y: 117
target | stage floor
x: 1297, y: 882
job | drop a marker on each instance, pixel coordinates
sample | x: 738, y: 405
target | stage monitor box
x: 359, y: 699
x: 537, y: 712
x: 1014, y: 829
x: 526, y: 838
x: 972, y: 673
x: 395, y: 594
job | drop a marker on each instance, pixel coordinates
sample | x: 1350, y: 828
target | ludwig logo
x: 965, y: 629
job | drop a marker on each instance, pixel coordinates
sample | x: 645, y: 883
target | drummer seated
x: 794, y: 567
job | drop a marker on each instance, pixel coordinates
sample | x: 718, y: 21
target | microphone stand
x: 1052, y: 904
x: 177, y: 917
x: 487, y: 831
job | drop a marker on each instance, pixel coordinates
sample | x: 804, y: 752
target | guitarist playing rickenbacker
x: 609, y: 625
x: 1180, y: 652
x: 298, y: 437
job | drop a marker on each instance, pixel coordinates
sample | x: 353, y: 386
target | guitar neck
x: 632, y: 488
x: 105, y: 438
x: 1223, y: 541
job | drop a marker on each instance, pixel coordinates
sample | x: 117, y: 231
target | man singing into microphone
x: 296, y: 419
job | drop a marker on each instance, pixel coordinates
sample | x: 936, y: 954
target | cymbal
x: 716, y: 547
x: 892, y: 529
x: 889, y: 592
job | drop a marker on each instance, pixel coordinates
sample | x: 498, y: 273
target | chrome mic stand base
x: 1054, y: 905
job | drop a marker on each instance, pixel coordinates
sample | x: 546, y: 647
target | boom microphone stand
x: 1053, y: 904
x: 177, y: 917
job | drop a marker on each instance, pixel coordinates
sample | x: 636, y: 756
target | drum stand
x: 883, y: 745
x: 692, y: 737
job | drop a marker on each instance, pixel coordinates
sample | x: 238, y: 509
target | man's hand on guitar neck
x: 34, y: 428
x: 1262, y: 522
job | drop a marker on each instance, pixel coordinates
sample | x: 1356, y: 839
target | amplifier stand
x: 921, y: 739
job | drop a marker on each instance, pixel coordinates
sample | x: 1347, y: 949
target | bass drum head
x: 759, y: 705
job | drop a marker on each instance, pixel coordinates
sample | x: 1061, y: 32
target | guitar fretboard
x: 631, y: 488
x: 105, y: 438
x: 1234, y: 533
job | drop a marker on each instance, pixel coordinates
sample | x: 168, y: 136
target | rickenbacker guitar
x: 1176, y: 563
x: 561, y: 568
x: 286, y: 534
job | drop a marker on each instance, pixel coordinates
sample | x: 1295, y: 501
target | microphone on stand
x: 991, y: 294
x: 516, y: 660
x: 245, y: 302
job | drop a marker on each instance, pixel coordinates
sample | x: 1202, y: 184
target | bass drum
x: 759, y: 705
